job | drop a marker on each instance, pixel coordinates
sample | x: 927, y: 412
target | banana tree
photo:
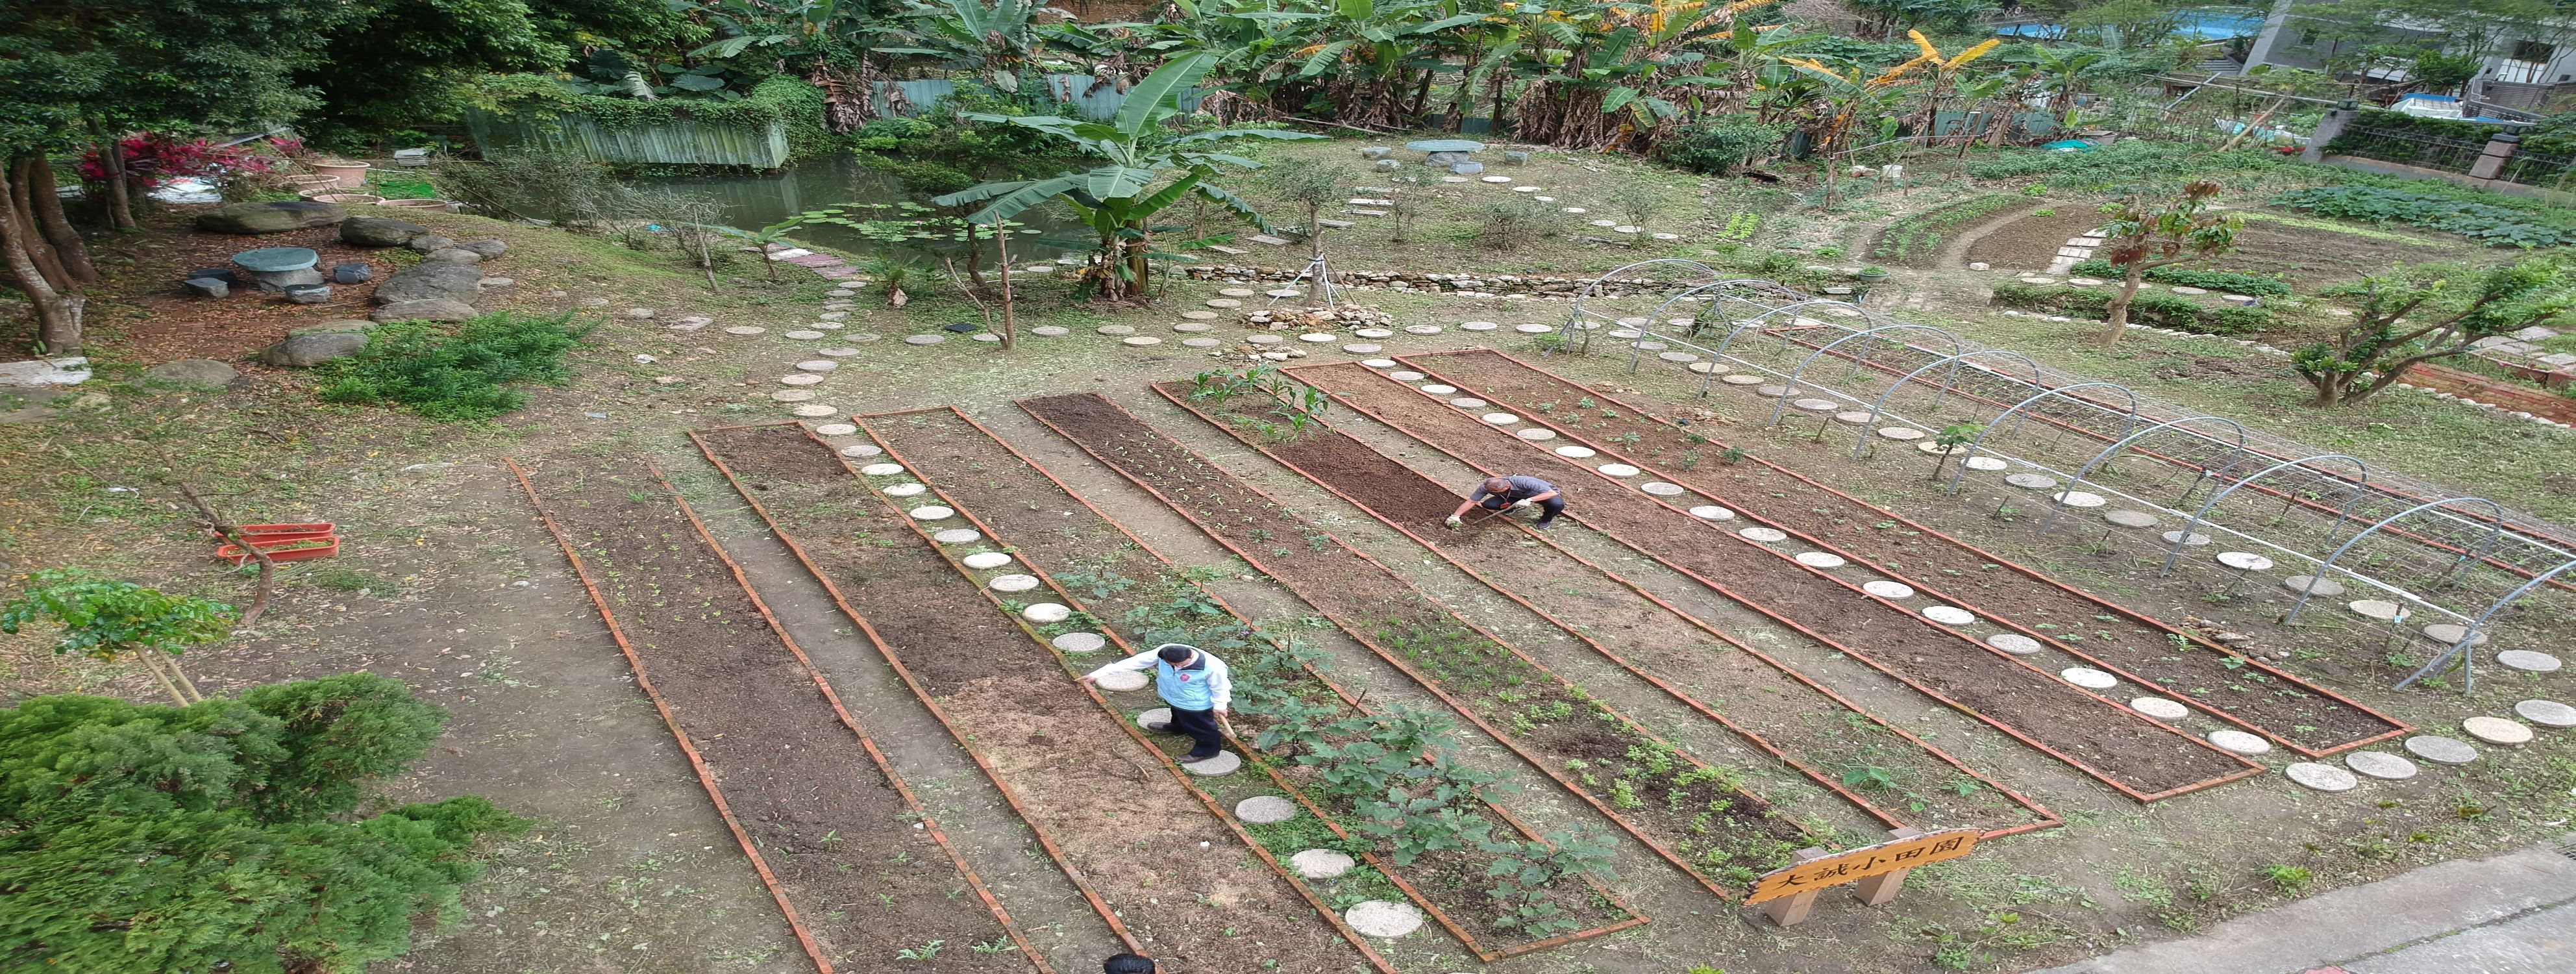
x: 1941, y: 74
x: 996, y: 41
x: 1847, y: 99
x: 2067, y: 70
x: 1119, y: 200
x: 1615, y: 72
x: 1371, y: 62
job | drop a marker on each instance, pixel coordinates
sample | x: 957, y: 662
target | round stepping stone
x: 958, y: 536
x: 987, y: 560
x: 2190, y: 290
x: 1265, y: 809
x: 2441, y: 750
x: 1949, y: 615
x: 2322, y: 777
x: 904, y: 490
x: 1422, y: 329
x: 1661, y: 489
x: 2450, y: 635
x: 1479, y: 326
x: 2528, y: 661
x: 1117, y: 329
x: 1013, y: 583
x: 2031, y: 481
x: 2497, y: 730
x: 2085, y: 281
x: 1405, y: 376
x: 2014, y: 643
x: 835, y: 429
x: 1740, y: 379
x: 1497, y: 179
x: 1264, y: 339
x: 924, y: 339
x: 2328, y: 588
x: 812, y: 411
x: 1983, y: 463
x: 1467, y: 402
x: 1379, y: 918
x: 2246, y: 561
x: 744, y: 330
x: 1772, y: 391
x: 1576, y: 209
x: 1224, y: 763
x: 1142, y: 340
x: 1080, y: 642
x: 1627, y: 229
x: 882, y: 469
x: 1363, y: 348
x: 2089, y: 678
x: 1192, y: 328
x: 2239, y: 742
x: 1573, y: 452
x: 827, y: 326
x: 2080, y: 498
x: 1533, y: 329
x: 1525, y: 189
x: 1821, y: 559
x: 1627, y: 332
x: 1321, y: 863
x: 2380, y: 609
x: 1814, y: 405
x: 1379, y: 363
x: 1318, y: 337
x: 2130, y: 519
x: 1374, y: 333
x: 1887, y: 590
x: 1436, y: 389
x: 1706, y: 368
x: 931, y: 512
x: 792, y: 395
x: 1224, y: 303
x: 817, y: 365
x: 837, y: 352
x: 2193, y: 540
x: 1051, y: 331
x: 1048, y: 614
x: 1853, y: 417
x: 1712, y: 512
x: 1764, y: 535
x: 840, y: 292
x: 863, y: 336
x: 1501, y: 419
x: 2377, y: 765
x: 1535, y: 433
x: 1159, y: 715
x: 1900, y: 434
x: 800, y: 380
x: 1123, y: 681
x: 1201, y: 315
x: 860, y: 450
x: 2160, y: 708
x: 804, y: 336
x: 1200, y: 342
x: 2546, y: 713
x: 1618, y: 470
x: 1236, y: 292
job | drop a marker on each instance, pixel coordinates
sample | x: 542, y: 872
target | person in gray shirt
x: 1514, y: 492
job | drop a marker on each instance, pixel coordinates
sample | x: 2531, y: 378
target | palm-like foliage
x: 1118, y: 200
x: 996, y: 41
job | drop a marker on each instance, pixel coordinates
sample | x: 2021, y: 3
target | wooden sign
x: 1880, y: 868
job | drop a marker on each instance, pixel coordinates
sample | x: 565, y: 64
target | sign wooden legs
x: 1880, y: 889
x: 1876, y: 889
x: 1790, y: 911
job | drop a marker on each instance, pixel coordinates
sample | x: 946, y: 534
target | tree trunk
x: 1002, y: 245
x: 48, y: 198
x: 120, y: 205
x: 2120, y: 305
x: 58, y: 316
x: 22, y: 208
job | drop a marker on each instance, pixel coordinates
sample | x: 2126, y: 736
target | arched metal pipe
x: 2062, y: 391
x: 1791, y: 309
x: 2112, y: 452
x: 1591, y: 289
x: 1955, y: 362
x: 2495, y: 529
x: 1782, y: 403
x: 2477, y: 627
x: 2183, y: 537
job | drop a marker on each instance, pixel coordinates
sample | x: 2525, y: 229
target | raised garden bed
x: 1886, y: 772
x: 1696, y: 817
x: 825, y: 819
x: 2149, y: 307
x: 1918, y: 238
x: 1055, y: 756
x: 2132, y: 753
x: 2303, y: 716
x: 1131, y: 594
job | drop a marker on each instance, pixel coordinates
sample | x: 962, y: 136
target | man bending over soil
x: 1515, y: 493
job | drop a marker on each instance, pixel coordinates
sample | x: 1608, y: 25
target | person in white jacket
x: 1198, y: 687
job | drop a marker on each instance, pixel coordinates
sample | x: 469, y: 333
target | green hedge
x: 781, y: 99
x: 1919, y: 236
x: 2160, y: 310
x: 2212, y: 280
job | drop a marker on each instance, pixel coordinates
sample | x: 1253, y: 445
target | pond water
x: 755, y: 201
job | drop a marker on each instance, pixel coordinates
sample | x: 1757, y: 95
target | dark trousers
x: 1200, y: 727
x: 1548, y: 509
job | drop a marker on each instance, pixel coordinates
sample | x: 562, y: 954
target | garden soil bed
x: 1138, y: 599
x: 2030, y: 243
x: 2141, y: 648
x: 1773, y: 708
x: 1696, y: 817
x: 815, y: 805
x: 1133, y: 838
x: 2130, y: 752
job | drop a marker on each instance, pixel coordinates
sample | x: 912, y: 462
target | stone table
x: 1445, y: 152
x: 274, y: 268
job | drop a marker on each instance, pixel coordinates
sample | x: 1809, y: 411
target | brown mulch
x: 141, y: 315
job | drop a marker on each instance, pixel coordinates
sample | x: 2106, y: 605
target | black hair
x: 1127, y: 964
x: 1172, y: 653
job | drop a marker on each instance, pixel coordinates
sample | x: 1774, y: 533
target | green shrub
x: 1919, y: 236
x: 1512, y: 222
x: 2496, y: 221
x: 2212, y: 280
x: 459, y: 375
x: 1716, y: 145
x: 2148, y: 308
x: 2123, y: 163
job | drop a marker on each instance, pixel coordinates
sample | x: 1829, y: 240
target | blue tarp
x: 2200, y: 25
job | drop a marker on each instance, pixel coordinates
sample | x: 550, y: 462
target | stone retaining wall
x: 1486, y: 285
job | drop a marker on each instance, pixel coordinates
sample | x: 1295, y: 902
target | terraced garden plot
x: 2127, y: 643
x: 1697, y: 817
x: 1169, y: 876
x: 1872, y: 764
x: 1130, y: 594
x: 862, y: 872
x: 2135, y: 755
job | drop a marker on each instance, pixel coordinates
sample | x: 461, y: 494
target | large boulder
x: 337, y: 324
x: 435, y: 280
x: 454, y: 255
x: 190, y: 372
x: 441, y: 309
x: 311, y: 348
x: 377, y: 231
x: 274, y: 217
x: 488, y: 247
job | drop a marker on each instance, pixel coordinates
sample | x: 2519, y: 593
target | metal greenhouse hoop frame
x: 2182, y: 538
x: 2494, y: 531
x: 2112, y: 452
x: 2469, y: 636
x: 1781, y: 404
x: 1878, y: 407
x: 2058, y: 392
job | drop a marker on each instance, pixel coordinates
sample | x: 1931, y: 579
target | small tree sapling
x: 2413, y: 315
x: 2150, y: 231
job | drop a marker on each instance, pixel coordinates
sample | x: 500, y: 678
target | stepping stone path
x: 932, y: 512
x: 2450, y: 635
x: 2160, y: 708
x: 987, y: 560
x: 2031, y: 481
x: 1117, y: 329
x: 1501, y: 419
x: 1317, y: 337
x: 1422, y: 329
x: 2014, y: 643
x: 1224, y: 303
x: 1201, y: 342
x: 1981, y: 463
x: 1467, y: 402
x: 2380, y: 609
x: 1712, y: 512
x: 1236, y: 292
x: 1123, y: 681
x: 1949, y: 615
x: 745, y: 330
x: 2193, y: 540
x: 2441, y: 750
x: 1013, y: 583
x: 813, y: 411
x: 2239, y: 742
x: 800, y: 380
x: 837, y: 352
x: 2089, y: 678
x: 1201, y: 315
x: 2322, y: 777
x: 1764, y: 535
x: 1363, y: 348
x: 958, y: 536
x: 2244, y: 561
x: 1574, y: 452
x: 881, y: 469
x: 792, y: 395
x: 1321, y: 863
x: 1815, y: 405
x: 804, y: 336
x: 1373, y: 333
x: 1192, y: 327
x: 1047, y: 614
x: 1405, y: 376
x: 924, y: 339
x: 1740, y: 379
x: 1887, y: 590
x: 1264, y: 339
x: 1436, y: 389
x: 2546, y: 713
x: 906, y: 490
x: 2497, y: 730
x: 1533, y: 329
x: 1265, y: 809
x: 1479, y: 326
x: 835, y: 429
x: 1820, y: 559
x: 2388, y: 767
x: 1848, y: 417
x: 2130, y: 519
x: 1142, y: 340
x: 818, y: 365
x: 2079, y: 498
x: 865, y: 450
x: 1379, y: 918
x: 1706, y: 368
x: 1379, y: 363
x: 2528, y: 661
x: 1080, y: 642
x: 1224, y: 763
x: 1618, y: 470
x: 1661, y: 489
x: 1897, y: 433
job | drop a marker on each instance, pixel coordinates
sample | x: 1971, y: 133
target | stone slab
x: 1224, y: 763
x: 2089, y: 678
x: 1321, y: 863
x: 1080, y: 642
x: 1886, y: 589
x: 2496, y: 730
x: 2322, y: 777
x: 1380, y: 918
x: 2239, y: 742
x: 1123, y: 681
x: 2014, y: 643
x: 2160, y: 708
x: 2546, y: 713
x: 1265, y: 809
x: 2528, y: 661
x: 1949, y: 615
x: 2441, y: 750
x: 2381, y: 765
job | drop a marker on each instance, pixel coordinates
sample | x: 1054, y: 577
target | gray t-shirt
x: 1523, y: 488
